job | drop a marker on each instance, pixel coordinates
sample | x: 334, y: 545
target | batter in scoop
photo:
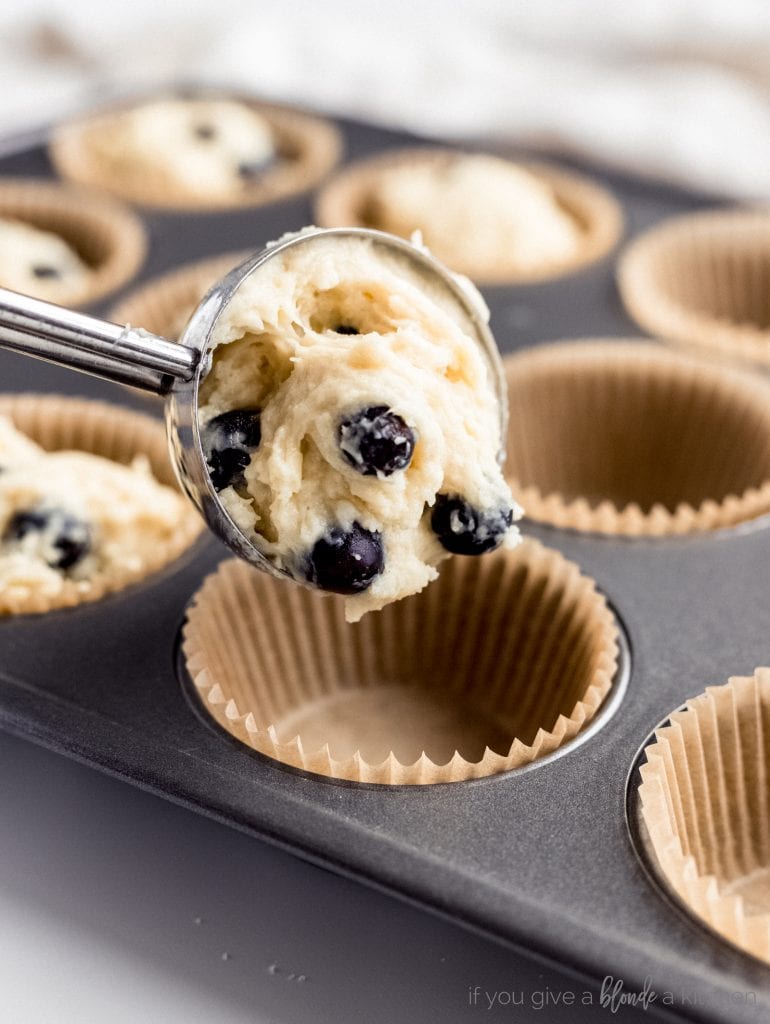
x: 69, y: 519
x: 349, y: 423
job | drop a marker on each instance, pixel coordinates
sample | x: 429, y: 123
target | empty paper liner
x: 306, y: 150
x: 164, y: 305
x: 703, y: 280
x: 624, y: 437
x: 107, y: 237
x: 705, y: 802
x: 350, y: 199
x: 501, y: 661
x: 60, y: 423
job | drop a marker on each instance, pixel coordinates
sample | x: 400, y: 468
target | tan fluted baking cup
x: 109, y: 239
x: 56, y: 422
x: 626, y: 437
x: 703, y: 280
x: 501, y: 661
x: 164, y: 305
x: 346, y: 200
x: 705, y: 803
x: 308, y: 147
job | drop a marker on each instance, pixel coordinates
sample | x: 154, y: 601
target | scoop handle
x: 127, y: 355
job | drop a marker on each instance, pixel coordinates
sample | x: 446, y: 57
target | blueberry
x: 376, y: 441
x: 43, y: 271
x: 346, y: 561
x: 228, y: 441
x: 465, y: 530
x: 65, y: 540
x: 205, y: 132
x: 250, y: 170
x: 346, y: 329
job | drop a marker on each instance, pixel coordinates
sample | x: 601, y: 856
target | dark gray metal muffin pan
x: 543, y: 859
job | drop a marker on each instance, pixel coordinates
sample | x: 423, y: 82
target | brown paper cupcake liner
x: 308, y: 148
x: 346, y: 201
x: 106, y: 236
x: 164, y: 305
x: 501, y: 661
x: 60, y: 423
x: 703, y: 281
x: 622, y: 437
x: 704, y: 802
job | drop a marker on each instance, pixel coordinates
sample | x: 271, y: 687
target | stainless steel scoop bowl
x: 130, y: 355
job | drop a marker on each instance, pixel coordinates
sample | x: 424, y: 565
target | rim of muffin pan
x: 308, y: 147
x: 107, y: 236
x: 702, y: 280
x: 626, y: 437
x: 346, y: 198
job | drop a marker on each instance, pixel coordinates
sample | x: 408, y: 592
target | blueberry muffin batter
x: 483, y: 215
x: 191, y: 148
x: 40, y: 263
x: 71, y: 522
x: 350, y: 426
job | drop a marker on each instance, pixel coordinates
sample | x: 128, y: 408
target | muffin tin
x: 540, y: 857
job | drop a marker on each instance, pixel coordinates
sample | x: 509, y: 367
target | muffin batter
x: 68, y: 517
x: 193, y: 149
x: 480, y: 214
x: 40, y: 263
x: 350, y: 426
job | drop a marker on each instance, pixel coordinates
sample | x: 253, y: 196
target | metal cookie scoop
x: 130, y: 355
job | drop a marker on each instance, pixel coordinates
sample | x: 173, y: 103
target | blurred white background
x: 673, y: 88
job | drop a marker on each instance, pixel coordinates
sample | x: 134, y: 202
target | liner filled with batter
x: 498, y: 221
x: 88, y: 502
x: 65, y: 245
x: 198, y: 152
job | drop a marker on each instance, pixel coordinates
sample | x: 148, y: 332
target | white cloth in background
x: 672, y: 88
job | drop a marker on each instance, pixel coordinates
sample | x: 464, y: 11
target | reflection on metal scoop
x: 130, y: 355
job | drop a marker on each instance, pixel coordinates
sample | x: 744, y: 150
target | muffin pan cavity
x: 704, y: 281
x: 500, y: 662
x: 704, y: 808
x: 623, y: 437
